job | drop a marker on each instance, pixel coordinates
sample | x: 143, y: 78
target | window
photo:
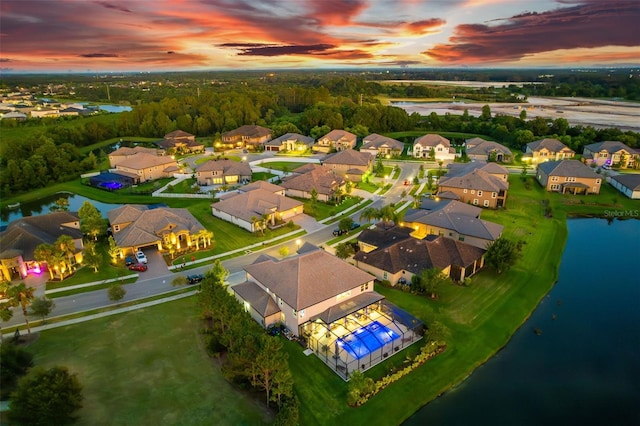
x: 301, y: 313
x: 597, y: 180
x: 493, y: 195
x: 279, y: 301
x: 385, y: 275
x: 461, y: 238
x: 116, y: 228
x: 473, y: 191
x: 364, y: 287
x: 486, y: 203
x: 475, y: 201
x: 554, y: 178
x: 570, y: 179
x: 295, y: 314
x: 347, y: 293
x: 465, y: 190
x: 479, y: 193
x: 555, y: 187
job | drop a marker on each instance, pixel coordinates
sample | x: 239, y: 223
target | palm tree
x: 44, y: 253
x: 22, y: 295
x: 369, y: 214
x: 65, y: 245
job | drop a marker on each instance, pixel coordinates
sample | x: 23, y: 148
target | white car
x: 140, y: 257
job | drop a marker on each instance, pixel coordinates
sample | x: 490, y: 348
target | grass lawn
x: 283, y: 165
x: 324, y: 210
x: 167, y: 379
x: 481, y: 319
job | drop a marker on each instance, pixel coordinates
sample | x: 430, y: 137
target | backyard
x: 167, y: 379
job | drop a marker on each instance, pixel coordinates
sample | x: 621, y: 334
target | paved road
x: 155, y: 281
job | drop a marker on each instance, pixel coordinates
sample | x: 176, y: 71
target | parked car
x: 355, y: 225
x: 337, y: 232
x: 194, y: 279
x: 406, y: 182
x: 138, y: 267
x: 129, y: 261
x: 140, y: 257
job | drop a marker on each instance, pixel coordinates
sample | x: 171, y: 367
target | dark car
x: 129, y: 261
x: 194, y: 279
x: 138, y: 267
x: 355, y: 225
x: 337, y: 232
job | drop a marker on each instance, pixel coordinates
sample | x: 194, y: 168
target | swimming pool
x: 366, y: 339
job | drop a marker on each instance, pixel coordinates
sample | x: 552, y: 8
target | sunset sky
x: 158, y: 35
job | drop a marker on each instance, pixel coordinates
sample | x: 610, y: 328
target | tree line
x: 253, y: 358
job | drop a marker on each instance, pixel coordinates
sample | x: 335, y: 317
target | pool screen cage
x: 364, y: 338
x: 109, y: 181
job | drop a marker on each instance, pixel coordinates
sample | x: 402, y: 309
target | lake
x: 584, y: 367
x: 44, y: 206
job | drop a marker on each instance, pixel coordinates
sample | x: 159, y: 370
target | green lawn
x: 283, y: 165
x: 147, y: 367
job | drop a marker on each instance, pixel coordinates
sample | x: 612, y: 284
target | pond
x: 583, y: 364
x: 46, y: 204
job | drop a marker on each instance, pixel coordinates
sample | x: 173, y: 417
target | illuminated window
x: 345, y: 294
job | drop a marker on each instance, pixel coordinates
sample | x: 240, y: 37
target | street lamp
x: 298, y: 242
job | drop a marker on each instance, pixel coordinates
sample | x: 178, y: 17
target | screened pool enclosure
x: 361, y: 333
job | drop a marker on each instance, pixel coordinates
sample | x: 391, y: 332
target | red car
x: 138, y: 267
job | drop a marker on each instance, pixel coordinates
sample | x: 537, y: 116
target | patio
x: 363, y: 337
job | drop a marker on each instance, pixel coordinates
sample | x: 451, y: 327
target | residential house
x: 434, y: 147
x: 145, y: 167
x: 223, y: 172
x: 290, y: 142
x: 248, y: 136
x: 140, y: 226
x: 629, y: 185
x: 313, y: 176
x: 480, y: 149
x: 124, y: 153
x: 376, y: 144
x: 547, y: 149
x: 45, y: 112
x: 401, y: 260
x: 350, y: 164
x: 263, y: 184
x: 180, y: 142
x: 478, y: 183
x: 257, y: 208
x: 330, y: 305
x: 568, y: 176
x: 336, y: 140
x: 452, y: 219
x: 14, y: 115
x: 610, y: 154
x: 19, y: 241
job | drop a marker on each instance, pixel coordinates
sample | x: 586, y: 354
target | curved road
x: 146, y: 287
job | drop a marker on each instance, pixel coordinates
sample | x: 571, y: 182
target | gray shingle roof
x: 432, y: 139
x: 553, y: 145
x: 349, y: 157
x: 375, y: 141
x: 309, y: 278
x: 247, y: 205
x: 568, y: 168
x: 630, y: 181
x: 609, y: 146
x: 297, y: 137
x: 477, y: 146
x: 259, y: 299
x: 322, y: 179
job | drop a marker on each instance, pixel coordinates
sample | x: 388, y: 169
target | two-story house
x: 143, y: 167
x: 433, y: 147
x: 547, y: 149
x: 479, y: 183
x: 610, y: 154
x: 249, y: 136
x: 350, y: 164
x: 378, y: 145
x: 337, y: 140
x: 223, y: 172
x: 482, y: 150
x: 568, y: 176
x: 292, y: 142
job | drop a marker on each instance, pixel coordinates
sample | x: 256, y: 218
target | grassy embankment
x: 147, y: 367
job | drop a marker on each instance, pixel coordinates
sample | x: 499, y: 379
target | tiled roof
x: 262, y: 184
x: 553, y: 145
x: 319, y: 178
x: 375, y: 141
x: 296, y: 137
x: 22, y: 236
x: 568, y: 168
x: 450, y: 206
x: 337, y: 135
x: 348, y: 157
x: 477, y: 146
x: 630, y: 181
x: 477, y: 179
x: 143, y: 161
x: 259, y: 299
x: 610, y: 146
x: 415, y: 255
x: 249, y: 130
x: 227, y: 167
x: 432, y: 139
x: 309, y: 278
x: 172, y: 143
x: 177, y: 134
x: 247, y: 205
x: 126, y: 151
x: 145, y: 225
x: 380, y: 237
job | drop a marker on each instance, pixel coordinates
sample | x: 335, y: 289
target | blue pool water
x: 367, y: 339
